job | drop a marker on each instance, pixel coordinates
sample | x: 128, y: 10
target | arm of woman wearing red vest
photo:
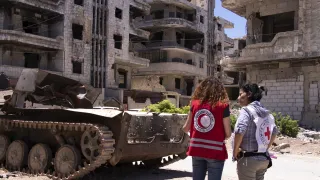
x: 226, y: 122
x: 186, y: 126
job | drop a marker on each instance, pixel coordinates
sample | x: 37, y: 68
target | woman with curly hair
x: 209, y: 125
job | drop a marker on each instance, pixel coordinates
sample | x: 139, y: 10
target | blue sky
x: 239, y: 29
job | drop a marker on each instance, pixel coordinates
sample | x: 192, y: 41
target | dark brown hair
x: 212, y: 91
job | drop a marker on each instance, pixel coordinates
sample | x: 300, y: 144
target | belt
x: 250, y: 154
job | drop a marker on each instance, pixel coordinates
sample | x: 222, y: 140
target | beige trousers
x: 251, y: 169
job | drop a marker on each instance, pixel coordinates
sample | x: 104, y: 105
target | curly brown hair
x: 211, y: 90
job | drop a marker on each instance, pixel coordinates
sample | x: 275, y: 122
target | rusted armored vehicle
x: 49, y: 127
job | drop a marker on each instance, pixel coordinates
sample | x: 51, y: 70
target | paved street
x: 285, y: 167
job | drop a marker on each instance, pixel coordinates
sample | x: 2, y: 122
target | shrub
x: 233, y: 119
x: 286, y: 125
x: 166, y: 106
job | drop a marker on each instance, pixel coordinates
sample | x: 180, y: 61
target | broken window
x: 76, y: 67
x: 122, y: 78
x: 177, y: 83
x: 161, y: 80
x: 77, y: 31
x: 118, y: 13
x: 201, y: 19
x: 189, y: 87
x: 274, y: 24
x: 172, y: 14
x: 189, y: 61
x: 31, y: 60
x: 117, y: 41
x: 179, y: 15
x: 219, y: 27
x: 78, y: 2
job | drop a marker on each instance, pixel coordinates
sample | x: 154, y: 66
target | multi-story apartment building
x: 282, y: 53
x: 178, y: 43
x: 107, y: 43
x: 81, y: 39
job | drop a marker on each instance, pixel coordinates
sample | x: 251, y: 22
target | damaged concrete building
x: 282, y: 53
x: 223, y: 43
x: 177, y: 46
x: 152, y: 45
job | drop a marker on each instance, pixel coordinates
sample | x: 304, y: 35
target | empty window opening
x: 78, y: 2
x: 189, y: 61
x: 156, y: 37
x: 31, y: 60
x: 189, y: 87
x: 201, y: 63
x: 201, y: 19
x: 172, y: 14
x: 179, y: 37
x: 117, y: 41
x: 177, y: 83
x: 161, y: 80
x: 219, y: 47
x: 219, y: 27
x: 190, y: 17
x: 194, y: 42
x: 274, y: 24
x: 219, y: 68
x: 122, y: 78
x: 30, y: 27
x: 179, y: 15
x: 158, y: 14
x: 76, y: 67
x: 118, y: 13
x: 77, y: 31
x: 135, y: 12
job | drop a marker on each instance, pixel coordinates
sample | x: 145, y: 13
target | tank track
x: 106, y: 146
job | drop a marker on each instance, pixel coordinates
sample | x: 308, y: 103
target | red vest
x: 207, y: 133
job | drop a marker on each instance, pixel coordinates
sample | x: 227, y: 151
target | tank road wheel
x: 40, y: 157
x: 66, y: 160
x: 90, y: 144
x: 17, y: 155
x: 4, y: 143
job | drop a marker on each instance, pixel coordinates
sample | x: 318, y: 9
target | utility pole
x: 211, y: 64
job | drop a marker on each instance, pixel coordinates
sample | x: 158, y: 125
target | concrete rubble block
x: 311, y: 134
x: 281, y: 147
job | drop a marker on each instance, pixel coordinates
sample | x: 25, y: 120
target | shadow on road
x: 136, y: 173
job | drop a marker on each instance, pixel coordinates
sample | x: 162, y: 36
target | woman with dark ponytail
x: 254, y: 132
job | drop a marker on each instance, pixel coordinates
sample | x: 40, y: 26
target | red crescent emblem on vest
x: 204, y: 121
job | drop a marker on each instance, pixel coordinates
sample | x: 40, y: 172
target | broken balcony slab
x: 16, y: 37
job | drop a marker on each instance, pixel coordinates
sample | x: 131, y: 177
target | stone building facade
x: 282, y: 53
x: 86, y: 40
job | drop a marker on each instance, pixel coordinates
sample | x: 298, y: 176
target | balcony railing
x: 51, y: 5
x: 166, y: 44
x: 29, y: 39
x: 285, y: 45
x: 167, y: 22
x: 173, y: 68
x: 187, y: 4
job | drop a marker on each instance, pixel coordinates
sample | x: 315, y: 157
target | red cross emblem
x: 267, y: 133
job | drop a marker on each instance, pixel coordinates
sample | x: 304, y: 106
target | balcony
x: 172, y: 68
x: 185, y: 4
x: 138, y: 32
x: 285, y: 45
x: 49, y: 5
x: 236, y: 6
x: 150, y: 23
x: 228, y: 41
x: 31, y: 40
x: 15, y: 71
x: 142, y: 5
x: 132, y: 60
x: 197, y: 48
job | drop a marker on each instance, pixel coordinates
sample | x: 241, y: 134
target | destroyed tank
x: 49, y: 127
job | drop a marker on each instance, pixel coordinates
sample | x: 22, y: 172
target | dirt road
x: 286, y: 167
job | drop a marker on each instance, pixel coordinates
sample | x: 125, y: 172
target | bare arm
x: 187, y: 125
x: 237, y: 142
x: 227, y: 127
x: 273, y: 137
